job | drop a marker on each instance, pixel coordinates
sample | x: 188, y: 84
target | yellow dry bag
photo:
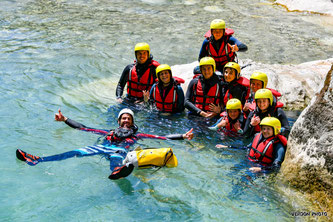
x: 151, y: 157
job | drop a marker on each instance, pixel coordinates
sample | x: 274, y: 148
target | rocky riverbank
x: 308, y: 166
x: 319, y: 6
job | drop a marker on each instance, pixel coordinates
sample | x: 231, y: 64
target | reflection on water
x: 69, y: 55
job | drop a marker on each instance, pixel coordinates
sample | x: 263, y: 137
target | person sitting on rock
x: 139, y: 76
x: 166, y: 95
x: 266, y: 106
x: 220, y: 44
x: 268, y: 147
x: 203, y: 96
x: 235, y: 86
x: 232, y: 119
x: 258, y: 80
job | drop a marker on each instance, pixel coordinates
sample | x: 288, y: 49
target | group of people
x: 217, y: 90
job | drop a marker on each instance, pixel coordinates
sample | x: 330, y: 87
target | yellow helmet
x: 234, y: 104
x: 273, y: 122
x: 207, y: 61
x: 234, y: 66
x: 161, y: 68
x: 217, y: 24
x: 261, y: 77
x: 142, y: 46
x: 264, y: 94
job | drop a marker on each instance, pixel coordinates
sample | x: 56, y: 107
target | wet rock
x: 296, y: 83
x: 320, y: 6
x: 308, y: 166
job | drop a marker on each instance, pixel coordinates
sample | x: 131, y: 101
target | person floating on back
x: 115, y: 146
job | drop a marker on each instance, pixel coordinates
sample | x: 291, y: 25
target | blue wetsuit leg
x: 114, y: 154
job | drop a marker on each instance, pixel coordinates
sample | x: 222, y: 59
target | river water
x: 69, y: 54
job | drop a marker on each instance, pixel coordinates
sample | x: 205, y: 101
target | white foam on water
x: 213, y: 8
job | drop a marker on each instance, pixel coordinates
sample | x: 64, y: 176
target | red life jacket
x: 168, y: 104
x: 229, y: 125
x: 202, y: 101
x: 242, y: 81
x: 224, y: 54
x: 227, y: 32
x: 263, y: 152
x: 275, y: 93
x: 135, y: 85
x: 257, y: 127
x: 114, y: 139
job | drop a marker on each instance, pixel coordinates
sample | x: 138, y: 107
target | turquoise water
x: 70, y: 54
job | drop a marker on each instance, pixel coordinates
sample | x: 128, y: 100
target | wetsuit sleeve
x: 180, y: 102
x: 280, y: 152
x: 284, y: 122
x: 168, y: 137
x: 239, y: 92
x: 203, y: 51
x: 175, y: 137
x: 248, y: 128
x: 80, y: 126
x: 149, y: 136
x: 151, y: 100
x: 188, y: 98
x: 241, y: 46
x: 122, y: 81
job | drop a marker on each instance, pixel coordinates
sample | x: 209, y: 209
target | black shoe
x: 120, y: 172
x: 28, y: 158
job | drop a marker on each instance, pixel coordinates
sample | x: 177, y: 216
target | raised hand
x: 207, y: 114
x: 234, y: 48
x: 59, y: 117
x: 188, y: 135
x: 214, y: 108
x: 255, y: 120
x: 145, y: 95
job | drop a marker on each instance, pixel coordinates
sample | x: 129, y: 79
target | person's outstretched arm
x: 122, y: 82
x: 76, y: 125
x: 188, y: 136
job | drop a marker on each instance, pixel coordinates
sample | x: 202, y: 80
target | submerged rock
x: 309, y: 160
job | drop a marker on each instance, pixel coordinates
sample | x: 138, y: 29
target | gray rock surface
x: 297, y: 83
x: 309, y: 161
x: 320, y: 6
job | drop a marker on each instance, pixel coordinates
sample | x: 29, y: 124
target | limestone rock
x: 309, y: 161
x: 320, y: 6
x: 297, y: 83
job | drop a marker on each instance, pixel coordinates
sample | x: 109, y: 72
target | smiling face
x: 255, y: 85
x: 217, y: 33
x: 233, y: 113
x: 164, y: 76
x: 125, y: 120
x: 141, y: 56
x: 229, y: 74
x: 207, y: 71
x: 267, y: 131
x: 263, y: 104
